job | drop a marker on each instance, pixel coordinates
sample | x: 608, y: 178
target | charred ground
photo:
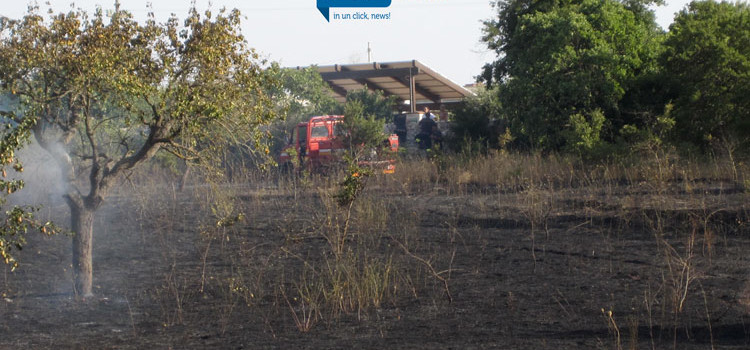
x: 530, y: 262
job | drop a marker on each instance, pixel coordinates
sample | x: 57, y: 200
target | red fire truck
x: 317, y: 144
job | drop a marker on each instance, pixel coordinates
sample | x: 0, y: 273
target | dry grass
x: 335, y: 262
x: 682, y: 201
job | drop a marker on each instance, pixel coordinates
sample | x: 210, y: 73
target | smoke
x: 44, y: 184
x: 43, y: 179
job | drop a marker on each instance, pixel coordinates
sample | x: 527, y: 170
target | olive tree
x: 107, y: 93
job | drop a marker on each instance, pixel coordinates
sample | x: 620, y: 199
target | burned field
x: 543, y: 255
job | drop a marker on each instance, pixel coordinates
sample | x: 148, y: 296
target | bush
x: 478, y: 122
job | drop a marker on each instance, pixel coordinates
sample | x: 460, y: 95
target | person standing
x: 426, y: 128
x: 429, y: 114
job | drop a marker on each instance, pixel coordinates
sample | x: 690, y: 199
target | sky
x: 443, y: 34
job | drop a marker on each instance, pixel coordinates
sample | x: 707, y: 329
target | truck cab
x: 317, y: 143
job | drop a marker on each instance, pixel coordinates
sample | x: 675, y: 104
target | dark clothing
x: 426, y: 125
x: 400, y: 122
x: 437, y: 137
x: 424, y: 141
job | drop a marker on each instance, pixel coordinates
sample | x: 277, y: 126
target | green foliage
x: 657, y: 134
x: 364, y: 132
x: 365, y: 115
x: 707, y: 58
x: 306, y: 93
x: 353, y: 183
x: 562, y: 63
x: 374, y: 103
x: 561, y: 59
x: 108, y: 92
x: 18, y: 220
x: 584, y: 131
x: 479, y: 120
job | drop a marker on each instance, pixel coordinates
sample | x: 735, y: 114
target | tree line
x: 600, y: 76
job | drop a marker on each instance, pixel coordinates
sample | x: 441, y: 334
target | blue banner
x: 325, y: 5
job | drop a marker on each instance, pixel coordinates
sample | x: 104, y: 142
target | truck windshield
x: 319, y: 131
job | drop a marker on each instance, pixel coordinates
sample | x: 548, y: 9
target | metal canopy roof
x: 409, y: 80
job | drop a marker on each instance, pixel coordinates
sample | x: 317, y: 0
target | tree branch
x: 146, y: 152
x: 96, y: 170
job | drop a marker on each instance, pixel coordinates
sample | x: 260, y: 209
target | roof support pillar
x: 412, y: 97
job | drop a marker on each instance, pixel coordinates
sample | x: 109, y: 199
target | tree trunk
x: 82, y: 224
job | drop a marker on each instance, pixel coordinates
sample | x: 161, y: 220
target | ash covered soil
x: 627, y: 265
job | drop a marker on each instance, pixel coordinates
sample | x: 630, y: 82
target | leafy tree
x: 499, y: 34
x: 559, y: 60
x: 306, y: 93
x: 365, y: 115
x: 17, y: 220
x: 363, y: 131
x: 374, y: 103
x: 107, y: 93
x: 707, y: 57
